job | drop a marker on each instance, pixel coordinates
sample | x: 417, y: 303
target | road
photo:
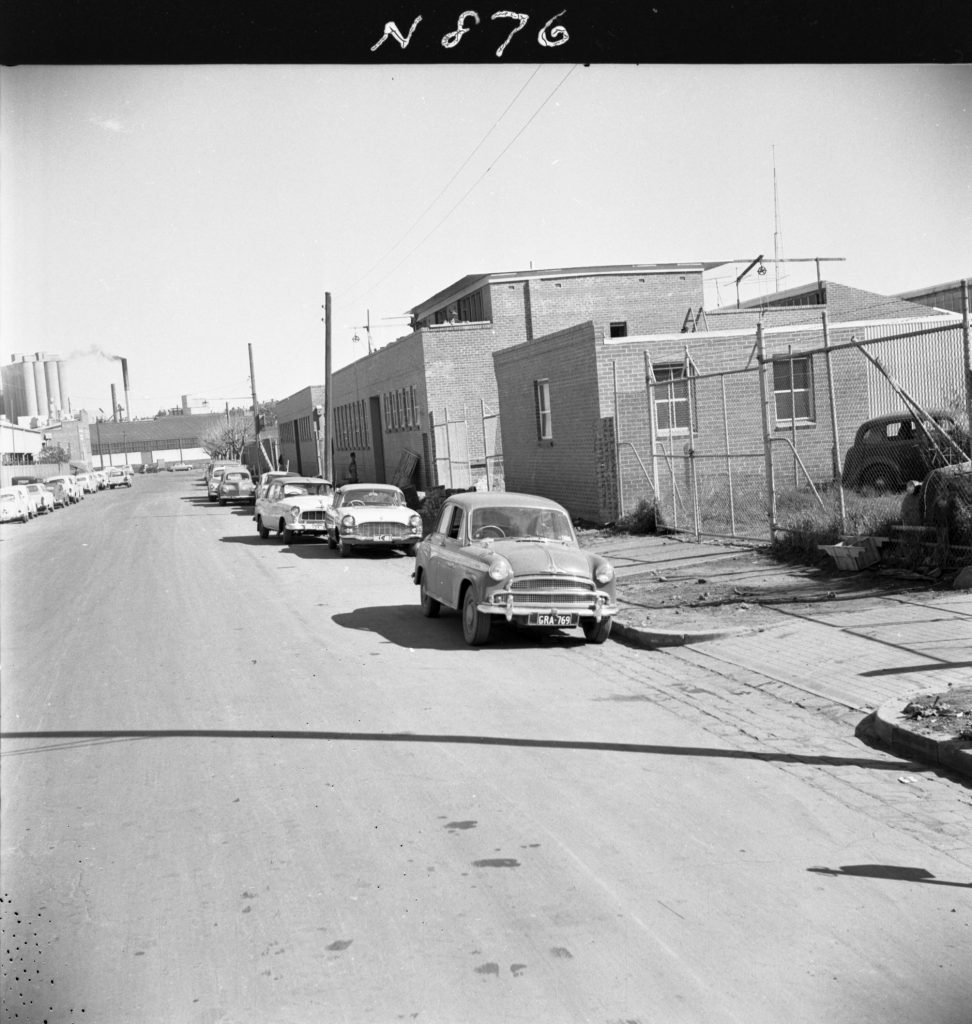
x: 249, y: 782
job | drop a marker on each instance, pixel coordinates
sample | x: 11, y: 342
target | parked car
x: 236, y: 485
x: 180, y: 467
x: 43, y: 498
x: 87, y: 482
x: 372, y: 515
x: 59, y: 493
x: 217, y: 463
x: 293, y: 506
x: 890, y: 450
x: 213, y: 474
x: 71, y: 485
x: 13, y: 505
x: 117, y: 477
x: 128, y: 470
x: 515, y: 556
x: 30, y: 498
x: 267, y: 478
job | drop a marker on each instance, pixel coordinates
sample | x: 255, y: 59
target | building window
x: 793, y: 389
x: 415, y: 409
x: 671, y: 393
x: 304, y: 428
x: 541, y: 394
x: 619, y: 329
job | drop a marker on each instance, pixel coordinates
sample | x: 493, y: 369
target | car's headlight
x: 415, y: 524
x: 604, y: 573
x: 500, y: 569
x: 347, y: 522
x: 295, y: 510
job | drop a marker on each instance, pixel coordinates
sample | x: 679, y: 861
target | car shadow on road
x: 893, y: 872
x: 405, y: 626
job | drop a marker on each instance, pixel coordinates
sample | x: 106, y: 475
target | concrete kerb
x: 646, y: 637
x: 896, y: 732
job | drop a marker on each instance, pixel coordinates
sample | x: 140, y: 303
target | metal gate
x: 450, y: 445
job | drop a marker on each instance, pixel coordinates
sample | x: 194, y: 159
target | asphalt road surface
x: 249, y: 782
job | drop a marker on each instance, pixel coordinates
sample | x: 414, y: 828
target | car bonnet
x: 528, y: 557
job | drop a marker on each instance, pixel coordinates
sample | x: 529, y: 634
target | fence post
x: 617, y: 442
x: 838, y: 468
x: 650, y: 388
x: 725, y: 431
x: 767, y: 432
x: 967, y: 352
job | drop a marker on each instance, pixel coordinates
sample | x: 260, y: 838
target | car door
x: 445, y: 569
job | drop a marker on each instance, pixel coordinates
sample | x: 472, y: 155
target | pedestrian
x: 352, y: 470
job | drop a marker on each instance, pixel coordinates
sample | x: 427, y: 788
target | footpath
x: 871, y: 641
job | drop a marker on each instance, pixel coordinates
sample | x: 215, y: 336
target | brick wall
x: 575, y: 467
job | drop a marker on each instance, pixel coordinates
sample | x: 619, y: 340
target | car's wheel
x: 410, y: 550
x: 475, y: 626
x: 331, y: 540
x: 344, y: 548
x: 430, y: 607
x: 881, y: 477
x: 261, y: 529
x: 222, y: 502
x: 597, y: 632
x: 212, y: 497
x: 286, y: 534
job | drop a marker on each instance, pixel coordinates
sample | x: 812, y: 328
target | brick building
x: 298, y: 431
x: 423, y: 409
x: 578, y: 426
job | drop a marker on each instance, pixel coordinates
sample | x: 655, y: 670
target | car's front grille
x: 544, y: 591
x: 372, y: 530
x: 313, y: 515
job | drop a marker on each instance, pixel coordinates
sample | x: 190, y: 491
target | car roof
x: 303, y: 480
x: 370, y: 487
x: 492, y: 499
x: 895, y: 417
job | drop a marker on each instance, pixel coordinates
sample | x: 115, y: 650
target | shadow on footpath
x: 81, y: 737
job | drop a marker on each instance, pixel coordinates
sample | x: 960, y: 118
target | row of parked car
x: 490, y: 556
x: 28, y: 496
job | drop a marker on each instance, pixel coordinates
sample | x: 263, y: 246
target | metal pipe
x: 767, y: 434
x: 127, y: 389
x: 838, y: 468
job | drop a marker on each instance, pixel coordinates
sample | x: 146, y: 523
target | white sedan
x: 294, y: 505
x: 372, y: 515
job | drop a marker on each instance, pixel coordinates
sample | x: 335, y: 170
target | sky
x: 176, y: 215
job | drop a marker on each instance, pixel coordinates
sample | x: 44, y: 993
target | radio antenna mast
x: 777, y: 232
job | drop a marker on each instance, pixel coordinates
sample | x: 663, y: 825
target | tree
x: 52, y: 453
x: 227, y: 436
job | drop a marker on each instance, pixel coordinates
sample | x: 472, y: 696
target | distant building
x: 941, y: 296
x: 35, y: 387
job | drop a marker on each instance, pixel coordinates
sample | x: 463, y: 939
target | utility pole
x: 328, y: 474
x: 256, y: 411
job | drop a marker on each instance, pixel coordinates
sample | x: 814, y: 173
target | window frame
x: 792, y: 393
x: 665, y: 397
x: 542, y: 407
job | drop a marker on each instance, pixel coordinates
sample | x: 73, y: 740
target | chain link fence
x: 833, y: 427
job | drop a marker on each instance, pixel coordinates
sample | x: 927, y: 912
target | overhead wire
x: 480, y: 178
x: 445, y: 187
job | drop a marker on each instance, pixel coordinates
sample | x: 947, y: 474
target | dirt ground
x: 748, y: 589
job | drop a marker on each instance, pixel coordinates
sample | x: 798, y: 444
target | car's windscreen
x: 500, y: 521
x: 236, y: 476
x: 373, y: 497
x: 297, y: 490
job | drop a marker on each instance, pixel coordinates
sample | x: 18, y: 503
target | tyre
x: 475, y: 626
x: 331, y: 541
x: 410, y: 550
x: 222, y: 502
x: 212, y: 497
x: 597, y: 632
x: 344, y: 548
x: 288, y: 536
x: 430, y: 607
x: 261, y: 529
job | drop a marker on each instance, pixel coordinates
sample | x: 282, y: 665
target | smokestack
x: 114, y: 405
x: 128, y: 404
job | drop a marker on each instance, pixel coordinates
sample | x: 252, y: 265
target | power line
x: 480, y: 178
x: 445, y: 187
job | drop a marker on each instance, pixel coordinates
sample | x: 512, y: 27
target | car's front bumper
x: 505, y: 603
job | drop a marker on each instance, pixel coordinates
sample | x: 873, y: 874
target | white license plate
x: 552, y: 619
